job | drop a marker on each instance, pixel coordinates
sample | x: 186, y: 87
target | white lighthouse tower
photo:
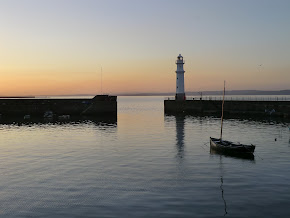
x: 180, y: 94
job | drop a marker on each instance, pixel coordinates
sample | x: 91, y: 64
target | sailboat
x: 228, y: 147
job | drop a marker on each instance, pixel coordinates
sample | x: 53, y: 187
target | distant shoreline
x: 17, y: 96
x: 230, y: 92
x: 189, y: 93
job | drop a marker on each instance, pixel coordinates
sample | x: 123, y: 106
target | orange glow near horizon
x: 139, y: 76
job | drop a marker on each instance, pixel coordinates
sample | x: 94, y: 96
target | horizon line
x: 238, y: 92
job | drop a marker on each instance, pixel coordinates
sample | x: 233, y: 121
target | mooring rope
x: 204, y: 145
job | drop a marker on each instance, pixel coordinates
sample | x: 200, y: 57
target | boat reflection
x: 246, y: 156
x: 222, y: 172
x: 222, y: 189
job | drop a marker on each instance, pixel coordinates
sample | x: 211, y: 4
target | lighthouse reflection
x: 180, y: 120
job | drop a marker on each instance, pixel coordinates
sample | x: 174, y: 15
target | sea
x: 144, y: 163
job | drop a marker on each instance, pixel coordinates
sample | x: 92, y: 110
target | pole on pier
x: 222, y: 119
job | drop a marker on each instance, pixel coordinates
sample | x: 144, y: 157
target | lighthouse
x: 180, y: 94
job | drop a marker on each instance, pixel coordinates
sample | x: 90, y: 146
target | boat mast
x: 222, y: 119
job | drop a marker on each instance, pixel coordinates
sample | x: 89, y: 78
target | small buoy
x: 48, y: 114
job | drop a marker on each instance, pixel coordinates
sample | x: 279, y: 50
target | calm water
x: 145, y: 164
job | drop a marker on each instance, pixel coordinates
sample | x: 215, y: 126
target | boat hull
x: 247, y: 156
x: 230, y: 147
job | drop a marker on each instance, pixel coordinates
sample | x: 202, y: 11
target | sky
x: 61, y: 47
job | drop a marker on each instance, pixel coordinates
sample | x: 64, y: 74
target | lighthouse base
x: 180, y: 97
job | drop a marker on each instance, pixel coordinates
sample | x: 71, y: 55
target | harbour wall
x: 99, y: 105
x: 231, y: 107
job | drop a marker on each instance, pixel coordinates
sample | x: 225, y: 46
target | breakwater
x: 99, y: 105
x: 231, y: 107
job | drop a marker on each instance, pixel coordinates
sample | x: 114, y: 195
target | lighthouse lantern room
x: 180, y: 94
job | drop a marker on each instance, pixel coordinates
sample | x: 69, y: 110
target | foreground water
x: 145, y: 164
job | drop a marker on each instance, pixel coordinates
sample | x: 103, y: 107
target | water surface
x: 144, y: 164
